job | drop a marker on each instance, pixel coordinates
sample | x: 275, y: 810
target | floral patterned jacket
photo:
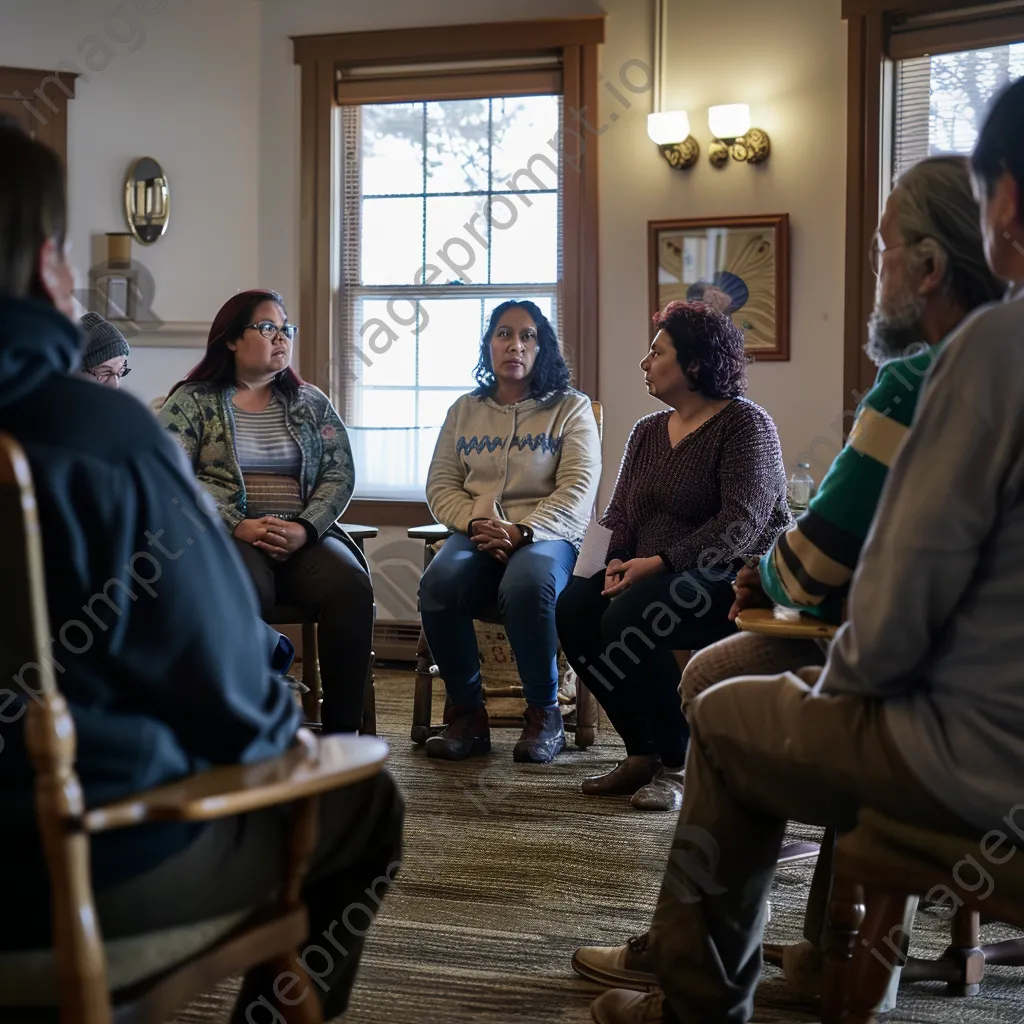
x: 201, y: 418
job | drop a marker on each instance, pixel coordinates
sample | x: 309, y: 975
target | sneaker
x: 663, y: 793
x: 625, y: 778
x: 630, y: 966
x: 620, y: 1006
x: 543, y: 737
x: 467, y: 733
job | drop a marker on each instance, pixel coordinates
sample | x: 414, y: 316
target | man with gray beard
x: 929, y: 258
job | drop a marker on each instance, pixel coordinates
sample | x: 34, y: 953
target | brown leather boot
x: 625, y: 778
x: 467, y: 734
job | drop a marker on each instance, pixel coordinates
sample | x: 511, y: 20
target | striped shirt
x: 270, y: 461
x: 810, y: 566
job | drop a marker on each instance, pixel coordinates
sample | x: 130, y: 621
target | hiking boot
x: 543, y: 737
x: 630, y: 966
x: 625, y: 778
x: 467, y: 734
x: 663, y: 793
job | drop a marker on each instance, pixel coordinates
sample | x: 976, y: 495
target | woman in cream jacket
x: 515, y: 474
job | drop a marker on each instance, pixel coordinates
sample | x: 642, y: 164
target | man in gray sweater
x: 919, y: 711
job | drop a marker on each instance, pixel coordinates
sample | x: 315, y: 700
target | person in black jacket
x: 157, y: 641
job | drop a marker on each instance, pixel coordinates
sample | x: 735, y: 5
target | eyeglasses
x: 878, y: 249
x: 106, y: 376
x: 270, y: 330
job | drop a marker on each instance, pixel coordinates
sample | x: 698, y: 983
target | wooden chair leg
x: 881, y: 947
x: 262, y: 981
x: 586, y: 716
x: 1008, y: 953
x: 369, y: 726
x: 423, y: 697
x: 966, y: 953
x: 846, y: 912
x: 962, y: 965
x: 311, y: 674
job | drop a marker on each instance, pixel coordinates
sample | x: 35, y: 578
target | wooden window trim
x: 873, y: 40
x: 951, y: 36
x: 575, y: 41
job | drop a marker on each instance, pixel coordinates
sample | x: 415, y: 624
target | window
x: 921, y: 73
x: 448, y: 208
x: 407, y: 137
x: 941, y: 100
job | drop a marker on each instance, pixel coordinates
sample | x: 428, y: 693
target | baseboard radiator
x: 395, y: 640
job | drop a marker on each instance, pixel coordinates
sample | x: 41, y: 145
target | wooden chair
x: 878, y: 866
x: 286, y: 615
x: 144, y: 979
x: 582, y: 722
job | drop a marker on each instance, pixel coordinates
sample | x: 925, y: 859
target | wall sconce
x: 670, y: 129
x: 730, y: 125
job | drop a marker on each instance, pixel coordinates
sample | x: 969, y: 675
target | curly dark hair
x: 703, y: 335
x: 550, y: 372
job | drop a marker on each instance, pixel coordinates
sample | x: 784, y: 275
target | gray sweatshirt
x: 540, y: 459
x: 936, y: 610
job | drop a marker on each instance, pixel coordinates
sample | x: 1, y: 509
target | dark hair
x: 703, y: 335
x: 1000, y: 145
x: 218, y: 364
x: 550, y: 371
x: 33, y: 210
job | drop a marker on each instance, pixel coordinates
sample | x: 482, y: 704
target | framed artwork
x: 739, y: 265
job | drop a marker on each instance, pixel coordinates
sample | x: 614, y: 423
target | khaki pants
x: 746, y: 654
x: 763, y: 751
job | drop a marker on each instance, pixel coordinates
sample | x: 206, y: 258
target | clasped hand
x: 279, y: 538
x: 620, y: 576
x: 497, y: 537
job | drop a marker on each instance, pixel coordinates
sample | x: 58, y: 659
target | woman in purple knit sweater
x: 701, y: 490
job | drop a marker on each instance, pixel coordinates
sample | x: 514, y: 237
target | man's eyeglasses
x: 879, y: 249
x: 106, y: 376
x: 270, y: 330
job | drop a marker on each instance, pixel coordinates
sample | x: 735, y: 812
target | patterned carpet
x: 508, y: 869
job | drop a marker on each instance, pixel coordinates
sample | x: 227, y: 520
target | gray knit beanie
x: 103, y: 341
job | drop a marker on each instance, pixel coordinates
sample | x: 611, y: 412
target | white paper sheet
x: 594, y: 550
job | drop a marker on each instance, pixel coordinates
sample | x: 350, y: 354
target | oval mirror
x: 147, y: 200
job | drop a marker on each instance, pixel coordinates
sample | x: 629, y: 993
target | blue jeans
x: 461, y: 582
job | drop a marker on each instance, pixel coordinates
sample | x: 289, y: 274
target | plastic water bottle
x: 800, y: 489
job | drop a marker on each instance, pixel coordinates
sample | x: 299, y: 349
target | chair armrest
x: 785, y: 623
x: 338, y: 761
x: 359, y: 533
x: 433, y: 532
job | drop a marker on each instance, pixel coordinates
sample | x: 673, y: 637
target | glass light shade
x: 668, y: 127
x: 729, y: 121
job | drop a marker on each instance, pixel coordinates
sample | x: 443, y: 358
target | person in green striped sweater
x: 929, y: 258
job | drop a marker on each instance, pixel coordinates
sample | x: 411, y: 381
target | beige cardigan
x: 540, y: 459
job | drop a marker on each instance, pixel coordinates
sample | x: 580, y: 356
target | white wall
x: 789, y: 63
x: 177, y: 80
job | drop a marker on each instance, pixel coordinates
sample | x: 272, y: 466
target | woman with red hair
x: 701, y: 490
x: 274, y: 455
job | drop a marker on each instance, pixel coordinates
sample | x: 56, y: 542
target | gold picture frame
x: 737, y: 264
